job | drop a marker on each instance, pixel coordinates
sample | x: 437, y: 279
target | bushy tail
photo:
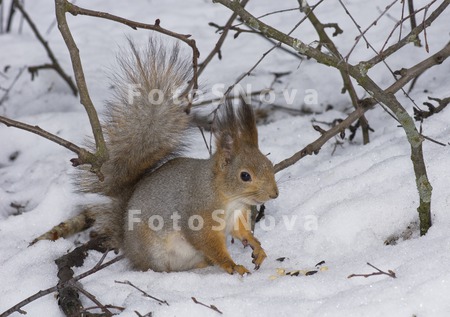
x: 145, y: 121
x: 144, y: 126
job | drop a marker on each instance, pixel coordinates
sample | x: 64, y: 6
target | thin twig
x: 277, y: 12
x: 18, y: 306
x: 369, y: 45
x: 8, y: 90
x: 401, y: 21
x: 104, y: 309
x: 193, y: 84
x: 410, y: 37
x: 413, y: 20
x: 389, y: 273
x: 212, y: 307
x: 150, y: 314
x: 277, y: 45
x: 12, y: 11
x: 220, y: 41
x: 37, y: 130
x: 366, y: 104
x: 119, y: 308
x: 101, y: 267
x: 314, y: 147
x: 425, y: 31
x: 409, y: 74
x: 348, y: 85
x: 160, y: 301
x: 55, y: 64
x: 363, y: 33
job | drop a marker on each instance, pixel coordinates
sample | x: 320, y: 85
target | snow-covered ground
x: 335, y: 207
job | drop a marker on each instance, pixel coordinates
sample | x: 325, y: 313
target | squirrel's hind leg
x: 145, y: 249
x: 161, y: 251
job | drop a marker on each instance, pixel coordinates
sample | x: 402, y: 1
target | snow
x: 338, y: 206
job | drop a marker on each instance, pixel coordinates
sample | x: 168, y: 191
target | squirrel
x: 168, y: 212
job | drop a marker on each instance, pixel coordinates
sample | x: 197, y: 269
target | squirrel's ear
x: 247, y: 122
x: 225, y: 147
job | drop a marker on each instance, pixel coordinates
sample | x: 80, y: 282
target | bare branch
x: 212, y: 307
x: 105, y: 310
x: 101, y: 154
x: 256, y: 24
x: 411, y: 37
x: 160, y: 301
x: 415, y: 71
x: 314, y: 147
x: 8, y: 90
x: 75, y: 10
x: 358, y: 72
x: 82, y: 153
x: 389, y: 273
x: 18, y: 306
x: 419, y: 114
x: 413, y: 20
x: 55, y: 65
x: 348, y: 85
x: 363, y: 33
x: 221, y: 40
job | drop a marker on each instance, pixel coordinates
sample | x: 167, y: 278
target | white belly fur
x: 181, y: 255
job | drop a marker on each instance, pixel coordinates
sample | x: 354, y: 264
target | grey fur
x: 144, y: 174
x: 139, y: 134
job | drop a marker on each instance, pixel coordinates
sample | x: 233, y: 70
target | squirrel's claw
x: 241, y: 270
x: 258, y: 256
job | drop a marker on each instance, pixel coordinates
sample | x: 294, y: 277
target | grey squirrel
x: 167, y: 212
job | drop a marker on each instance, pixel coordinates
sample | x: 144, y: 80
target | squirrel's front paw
x: 240, y: 269
x: 231, y: 268
x: 258, y: 256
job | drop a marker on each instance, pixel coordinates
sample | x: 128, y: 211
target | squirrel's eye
x: 246, y: 177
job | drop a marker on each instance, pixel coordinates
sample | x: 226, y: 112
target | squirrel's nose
x: 274, y: 194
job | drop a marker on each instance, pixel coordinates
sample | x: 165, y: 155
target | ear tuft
x: 247, y: 123
x: 226, y: 144
x: 233, y: 129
